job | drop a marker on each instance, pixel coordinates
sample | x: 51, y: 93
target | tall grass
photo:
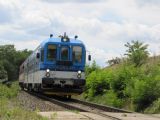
x: 9, y: 91
x: 10, y: 108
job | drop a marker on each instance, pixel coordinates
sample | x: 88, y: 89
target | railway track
x: 83, y: 106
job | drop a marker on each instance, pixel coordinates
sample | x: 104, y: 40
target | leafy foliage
x: 146, y: 90
x: 98, y: 82
x: 3, y: 73
x: 10, y: 60
x: 91, y: 68
x: 108, y: 98
x: 133, y: 83
x: 137, y: 52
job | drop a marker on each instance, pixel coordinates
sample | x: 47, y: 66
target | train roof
x: 55, y: 40
x: 58, y: 40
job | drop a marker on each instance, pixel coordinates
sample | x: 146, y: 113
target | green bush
x: 140, y: 86
x: 132, y: 80
x: 154, y: 108
x: 111, y: 99
x: 122, y: 79
x: 9, y: 92
x: 145, y: 92
x: 90, y: 68
x: 108, y: 98
x: 98, y: 82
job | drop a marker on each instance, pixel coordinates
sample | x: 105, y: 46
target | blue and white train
x: 56, y: 66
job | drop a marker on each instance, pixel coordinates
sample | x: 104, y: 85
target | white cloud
x: 103, y: 26
x: 72, y: 1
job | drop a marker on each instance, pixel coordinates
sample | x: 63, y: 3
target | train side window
x: 51, y: 52
x: 77, y: 54
x: 42, y: 55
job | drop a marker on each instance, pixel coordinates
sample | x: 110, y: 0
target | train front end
x: 62, y: 66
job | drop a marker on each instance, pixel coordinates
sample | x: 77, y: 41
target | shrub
x: 90, y: 68
x: 111, y: 99
x: 98, y: 82
x: 108, y: 98
x: 123, y: 78
x: 133, y: 81
x: 154, y: 107
x: 145, y: 92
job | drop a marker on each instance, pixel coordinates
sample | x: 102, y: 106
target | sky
x: 103, y: 25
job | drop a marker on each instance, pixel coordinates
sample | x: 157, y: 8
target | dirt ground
x: 71, y: 115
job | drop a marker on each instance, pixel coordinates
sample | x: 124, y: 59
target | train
x: 56, y: 66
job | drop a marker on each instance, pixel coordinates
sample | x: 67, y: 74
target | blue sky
x: 103, y: 25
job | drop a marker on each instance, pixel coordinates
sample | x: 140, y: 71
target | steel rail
x: 87, y: 104
x: 101, y: 107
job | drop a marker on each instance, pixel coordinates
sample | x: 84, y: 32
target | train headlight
x: 47, y: 70
x: 47, y: 73
x: 79, y: 74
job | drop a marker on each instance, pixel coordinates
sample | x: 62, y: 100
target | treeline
x: 10, y: 60
x: 131, y: 83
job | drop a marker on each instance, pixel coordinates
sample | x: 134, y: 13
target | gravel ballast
x: 33, y: 103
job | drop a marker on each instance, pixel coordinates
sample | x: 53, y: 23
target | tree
x: 10, y: 60
x: 7, y: 56
x: 21, y: 55
x: 137, y: 52
x: 3, y: 73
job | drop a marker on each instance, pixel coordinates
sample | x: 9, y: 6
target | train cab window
x: 64, y: 53
x: 51, y: 52
x: 42, y: 54
x: 77, y: 54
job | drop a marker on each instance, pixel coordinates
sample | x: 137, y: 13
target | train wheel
x: 22, y: 88
x: 30, y: 88
x: 39, y: 90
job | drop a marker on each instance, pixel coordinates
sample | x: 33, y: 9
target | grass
x: 10, y: 108
x: 154, y: 108
x: 74, y: 111
x: 53, y: 116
